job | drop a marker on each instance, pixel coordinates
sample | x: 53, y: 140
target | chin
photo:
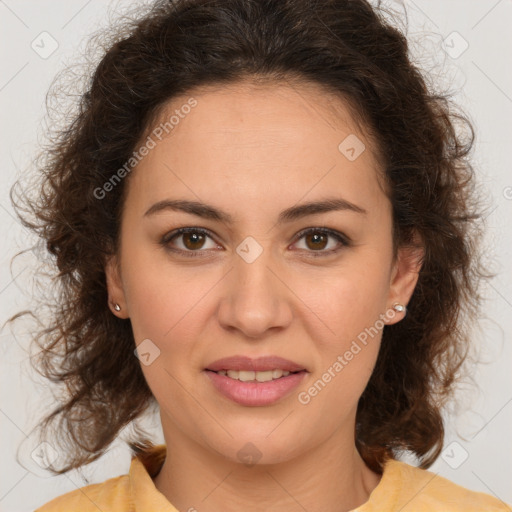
x: 258, y: 450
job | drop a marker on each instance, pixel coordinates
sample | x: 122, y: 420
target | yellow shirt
x: 402, y: 487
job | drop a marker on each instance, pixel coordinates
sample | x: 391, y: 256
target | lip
x: 259, y: 364
x: 255, y: 394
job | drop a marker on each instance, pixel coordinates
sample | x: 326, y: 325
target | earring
x: 117, y: 307
x: 398, y: 307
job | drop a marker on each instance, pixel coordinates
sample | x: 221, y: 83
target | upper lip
x: 259, y: 364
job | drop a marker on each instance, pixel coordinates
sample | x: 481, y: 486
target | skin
x: 254, y: 151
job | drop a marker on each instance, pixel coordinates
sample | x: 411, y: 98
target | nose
x: 256, y: 298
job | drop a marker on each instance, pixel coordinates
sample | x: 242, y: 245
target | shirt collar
x: 147, y: 498
x: 144, y: 494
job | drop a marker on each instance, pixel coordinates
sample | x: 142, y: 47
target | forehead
x: 262, y: 104
x: 247, y: 139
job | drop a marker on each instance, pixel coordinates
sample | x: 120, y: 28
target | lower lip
x: 255, y: 393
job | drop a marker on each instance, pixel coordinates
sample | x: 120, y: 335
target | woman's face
x: 245, y: 281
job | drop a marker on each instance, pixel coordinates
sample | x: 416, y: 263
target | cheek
x: 160, y: 297
x: 351, y: 303
x: 168, y: 317
x: 169, y: 308
x: 153, y: 310
x: 347, y: 352
x: 348, y: 299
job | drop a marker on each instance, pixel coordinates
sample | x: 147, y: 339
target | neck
x: 331, y: 477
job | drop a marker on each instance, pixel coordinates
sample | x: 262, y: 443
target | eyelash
x: 342, y: 239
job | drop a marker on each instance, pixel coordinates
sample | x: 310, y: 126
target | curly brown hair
x: 346, y: 46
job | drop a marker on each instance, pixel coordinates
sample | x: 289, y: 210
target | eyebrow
x: 290, y: 214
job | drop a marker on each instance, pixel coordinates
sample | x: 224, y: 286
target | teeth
x: 247, y: 376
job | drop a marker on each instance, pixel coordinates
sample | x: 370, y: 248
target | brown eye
x: 316, y: 240
x: 188, y: 241
x: 193, y: 240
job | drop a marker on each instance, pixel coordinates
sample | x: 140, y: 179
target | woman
x: 262, y: 222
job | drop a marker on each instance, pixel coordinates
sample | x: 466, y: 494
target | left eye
x: 193, y: 240
x: 317, y: 238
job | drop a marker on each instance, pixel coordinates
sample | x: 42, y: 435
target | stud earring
x: 398, y: 307
x: 117, y: 307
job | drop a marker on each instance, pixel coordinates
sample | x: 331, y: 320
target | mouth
x: 255, y: 382
x: 255, y: 376
x: 261, y: 369
x: 255, y: 388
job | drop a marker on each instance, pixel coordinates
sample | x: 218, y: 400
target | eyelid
x: 180, y: 231
x: 340, y: 237
x: 325, y: 230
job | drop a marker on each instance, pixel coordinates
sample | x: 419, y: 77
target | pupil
x: 196, y: 239
x: 316, y: 238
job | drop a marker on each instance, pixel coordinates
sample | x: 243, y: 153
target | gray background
x: 472, y: 62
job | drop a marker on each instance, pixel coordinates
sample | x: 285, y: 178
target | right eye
x: 192, y: 241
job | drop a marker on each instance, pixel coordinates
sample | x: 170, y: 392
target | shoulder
x: 109, y: 496
x: 419, y: 490
x: 125, y: 493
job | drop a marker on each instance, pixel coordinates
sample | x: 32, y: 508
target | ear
x: 404, y: 275
x: 115, y: 287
